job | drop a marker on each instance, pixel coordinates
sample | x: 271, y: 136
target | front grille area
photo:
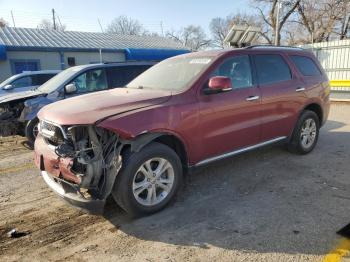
x: 48, y: 126
x: 52, y: 133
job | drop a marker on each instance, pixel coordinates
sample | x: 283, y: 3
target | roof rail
x: 274, y: 46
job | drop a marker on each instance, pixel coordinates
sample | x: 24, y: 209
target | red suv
x: 136, y: 142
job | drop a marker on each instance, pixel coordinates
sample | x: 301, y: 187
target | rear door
x: 282, y: 95
x: 230, y: 120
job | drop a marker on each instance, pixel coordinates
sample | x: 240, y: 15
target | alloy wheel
x: 308, y: 133
x: 153, y: 181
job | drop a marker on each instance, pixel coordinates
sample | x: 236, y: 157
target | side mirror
x: 8, y: 87
x: 218, y: 84
x: 70, y: 88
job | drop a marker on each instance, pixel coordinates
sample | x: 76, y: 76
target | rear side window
x: 40, y: 79
x: 306, y: 65
x: 272, y: 69
x: 120, y: 76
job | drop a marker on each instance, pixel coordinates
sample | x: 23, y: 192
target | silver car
x: 26, y: 81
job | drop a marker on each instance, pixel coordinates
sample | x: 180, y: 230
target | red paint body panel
x: 45, y: 158
x: 87, y: 109
x: 208, y: 125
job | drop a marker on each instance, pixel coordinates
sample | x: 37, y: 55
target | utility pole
x: 98, y: 19
x: 13, y: 19
x: 161, y: 27
x: 54, y: 19
x: 277, y: 22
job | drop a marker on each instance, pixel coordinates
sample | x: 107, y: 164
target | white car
x: 26, y: 81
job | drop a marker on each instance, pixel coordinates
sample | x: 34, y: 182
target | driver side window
x: 25, y: 81
x: 91, y: 81
x: 238, y: 69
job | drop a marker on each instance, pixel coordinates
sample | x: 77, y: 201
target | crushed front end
x: 79, y: 163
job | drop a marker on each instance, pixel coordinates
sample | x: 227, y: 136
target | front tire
x: 148, y: 180
x: 31, y: 130
x: 305, y: 134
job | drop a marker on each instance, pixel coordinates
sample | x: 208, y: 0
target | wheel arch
x: 317, y: 109
x: 168, y: 139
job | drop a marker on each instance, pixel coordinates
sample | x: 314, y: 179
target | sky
x: 80, y: 15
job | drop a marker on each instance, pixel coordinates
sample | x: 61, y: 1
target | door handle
x: 299, y: 89
x: 252, y: 98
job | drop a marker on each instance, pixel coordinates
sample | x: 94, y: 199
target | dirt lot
x: 267, y: 205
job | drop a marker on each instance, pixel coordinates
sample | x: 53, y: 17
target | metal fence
x: 334, y: 56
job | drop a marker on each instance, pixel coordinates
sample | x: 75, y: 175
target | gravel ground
x: 266, y: 205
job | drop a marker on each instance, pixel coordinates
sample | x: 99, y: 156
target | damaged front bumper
x: 72, y: 196
x: 83, y: 171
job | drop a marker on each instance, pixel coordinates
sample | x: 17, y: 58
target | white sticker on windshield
x: 200, y: 61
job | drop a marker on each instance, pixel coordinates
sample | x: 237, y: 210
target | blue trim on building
x: 2, y: 53
x: 151, y: 54
x: 60, y: 49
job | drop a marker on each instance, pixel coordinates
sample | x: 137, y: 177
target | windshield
x: 57, y: 80
x: 172, y: 74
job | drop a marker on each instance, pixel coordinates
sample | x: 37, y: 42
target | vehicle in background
x: 187, y: 111
x: 26, y: 81
x: 20, y: 109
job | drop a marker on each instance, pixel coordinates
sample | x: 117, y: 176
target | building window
x: 71, y: 61
x: 18, y: 65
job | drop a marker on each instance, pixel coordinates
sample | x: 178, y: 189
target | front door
x: 230, y: 120
x: 90, y: 81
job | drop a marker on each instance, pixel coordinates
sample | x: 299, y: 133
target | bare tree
x: 219, y: 27
x: 123, y: 25
x: 191, y: 36
x: 48, y: 25
x: 344, y: 20
x: 319, y: 18
x: 267, y: 10
x: 3, y: 23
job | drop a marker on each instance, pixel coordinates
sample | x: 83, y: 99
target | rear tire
x: 305, y: 134
x: 148, y: 180
x: 31, y: 130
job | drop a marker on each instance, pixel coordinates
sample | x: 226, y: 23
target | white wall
x: 82, y: 58
x: 48, y: 60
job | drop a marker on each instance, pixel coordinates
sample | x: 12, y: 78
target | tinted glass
x: 306, y: 66
x: 90, y: 81
x: 272, y: 69
x: 22, y: 82
x: 41, y: 78
x: 238, y: 69
x: 121, y: 75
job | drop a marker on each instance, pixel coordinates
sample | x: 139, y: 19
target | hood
x: 4, y: 98
x: 88, y: 109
